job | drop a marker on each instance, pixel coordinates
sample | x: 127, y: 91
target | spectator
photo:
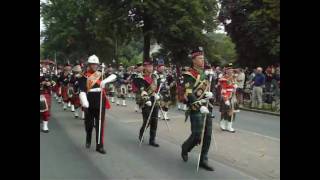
x: 268, y: 85
x: 240, y: 78
x: 276, y: 84
x: 258, y: 83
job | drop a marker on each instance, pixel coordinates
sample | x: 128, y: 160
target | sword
x: 154, y: 103
x: 203, y: 127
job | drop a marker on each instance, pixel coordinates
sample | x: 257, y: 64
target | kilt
x: 75, y: 100
x: 64, y: 93
x: 56, y: 89
x: 225, y: 111
x: 46, y: 114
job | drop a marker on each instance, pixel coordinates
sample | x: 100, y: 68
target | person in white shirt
x: 240, y: 85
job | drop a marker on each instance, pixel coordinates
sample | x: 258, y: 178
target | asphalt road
x: 63, y: 155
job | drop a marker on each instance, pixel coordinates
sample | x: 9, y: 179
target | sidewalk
x: 257, y: 110
x: 260, y: 111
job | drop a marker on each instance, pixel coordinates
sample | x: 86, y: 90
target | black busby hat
x: 147, y: 62
x: 197, y: 52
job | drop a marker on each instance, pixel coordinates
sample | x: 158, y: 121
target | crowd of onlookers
x: 256, y: 87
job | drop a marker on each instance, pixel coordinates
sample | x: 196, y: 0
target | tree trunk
x: 146, y: 38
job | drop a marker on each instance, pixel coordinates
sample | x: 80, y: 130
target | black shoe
x: 101, y: 150
x: 206, y: 166
x: 154, y: 144
x: 184, y: 156
x: 76, y: 117
x: 45, y: 131
x: 140, y: 137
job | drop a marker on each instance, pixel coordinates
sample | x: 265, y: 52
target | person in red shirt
x: 46, y: 85
x: 227, y: 100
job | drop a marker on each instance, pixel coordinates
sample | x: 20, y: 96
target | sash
x: 93, y: 79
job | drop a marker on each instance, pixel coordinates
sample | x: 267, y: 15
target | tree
x: 220, y: 49
x: 254, y: 26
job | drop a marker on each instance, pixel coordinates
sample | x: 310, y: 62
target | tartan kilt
x: 180, y: 94
x: 56, y: 89
x: 64, y: 93
x: 223, y: 107
x: 75, y: 100
x: 48, y: 100
x: 225, y: 111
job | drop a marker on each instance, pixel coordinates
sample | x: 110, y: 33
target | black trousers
x: 92, y: 120
x: 197, y: 120
x: 153, y: 121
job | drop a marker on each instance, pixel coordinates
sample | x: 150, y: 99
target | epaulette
x: 191, y: 72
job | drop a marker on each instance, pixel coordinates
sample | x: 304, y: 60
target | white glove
x: 235, y: 86
x: 157, y: 97
x: 109, y: 79
x: 203, y: 101
x: 163, y: 80
x: 227, y: 103
x: 148, y: 103
x: 204, y: 110
x: 83, y: 100
x: 208, y: 95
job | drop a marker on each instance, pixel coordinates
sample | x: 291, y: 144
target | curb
x: 260, y: 111
x: 257, y: 111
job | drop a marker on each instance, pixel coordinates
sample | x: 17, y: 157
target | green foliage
x: 220, y: 49
x: 254, y: 28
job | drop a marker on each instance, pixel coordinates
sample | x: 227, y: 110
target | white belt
x: 95, y: 90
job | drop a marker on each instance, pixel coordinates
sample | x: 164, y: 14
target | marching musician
x: 46, y: 85
x: 227, y: 100
x: 121, y: 85
x: 137, y: 77
x: 64, y: 80
x: 90, y: 97
x: 196, y: 96
x: 148, y: 97
x: 74, y: 83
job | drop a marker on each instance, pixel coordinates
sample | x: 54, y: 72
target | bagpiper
x: 46, y: 85
x: 64, y: 80
x: 149, y: 97
x: 228, y: 100
x: 196, y: 96
x: 164, y: 91
x: 137, y: 80
x: 121, y: 85
x: 74, y: 84
x: 91, y: 86
x: 111, y: 86
x: 130, y: 71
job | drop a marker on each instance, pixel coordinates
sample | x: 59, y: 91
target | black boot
x: 88, y: 141
x: 152, y: 143
x: 100, y: 149
x: 152, y: 139
x: 205, y: 165
x: 184, y: 156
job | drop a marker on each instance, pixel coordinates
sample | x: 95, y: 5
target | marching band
x: 87, y: 89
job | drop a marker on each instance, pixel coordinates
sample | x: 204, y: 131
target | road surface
x: 238, y: 156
